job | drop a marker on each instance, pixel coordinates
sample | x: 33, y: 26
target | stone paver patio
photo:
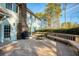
x: 46, y: 47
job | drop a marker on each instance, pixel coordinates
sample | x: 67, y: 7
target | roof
x: 26, y: 9
x: 32, y: 13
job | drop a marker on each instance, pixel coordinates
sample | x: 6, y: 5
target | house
x: 8, y: 22
x: 33, y: 22
x: 27, y: 20
x: 44, y: 24
x: 15, y: 18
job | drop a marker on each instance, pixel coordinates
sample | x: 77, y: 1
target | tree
x: 40, y: 15
x: 52, y: 10
x: 57, y: 15
x: 43, y: 19
x: 68, y: 25
x: 49, y: 11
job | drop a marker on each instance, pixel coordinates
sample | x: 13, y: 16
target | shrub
x: 67, y: 31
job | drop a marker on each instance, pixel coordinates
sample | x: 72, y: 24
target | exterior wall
x: 33, y: 22
x: 43, y: 24
x: 13, y: 32
x: 12, y: 20
x: 28, y: 20
x: 0, y: 32
x: 5, y: 22
x: 38, y: 24
x: 3, y: 5
x: 2, y: 35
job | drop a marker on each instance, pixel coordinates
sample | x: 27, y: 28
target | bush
x: 67, y: 31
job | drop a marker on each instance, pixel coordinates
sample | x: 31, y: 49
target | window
x: 15, y: 7
x: 9, y: 6
x: 30, y: 16
x: 6, y: 31
x: 12, y: 6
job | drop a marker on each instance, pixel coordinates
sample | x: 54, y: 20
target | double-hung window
x: 9, y: 6
x: 12, y: 6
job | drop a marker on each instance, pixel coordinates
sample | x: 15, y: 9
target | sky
x: 72, y: 11
x: 36, y: 7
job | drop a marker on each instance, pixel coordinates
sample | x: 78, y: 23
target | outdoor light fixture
x: 1, y: 16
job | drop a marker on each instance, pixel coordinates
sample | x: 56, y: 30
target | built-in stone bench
x: 58, y: 39
x: 66, y: 36
x: 39, y: 33
x: 74, y: 44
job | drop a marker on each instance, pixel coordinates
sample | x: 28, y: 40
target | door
x: 7, y: 31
